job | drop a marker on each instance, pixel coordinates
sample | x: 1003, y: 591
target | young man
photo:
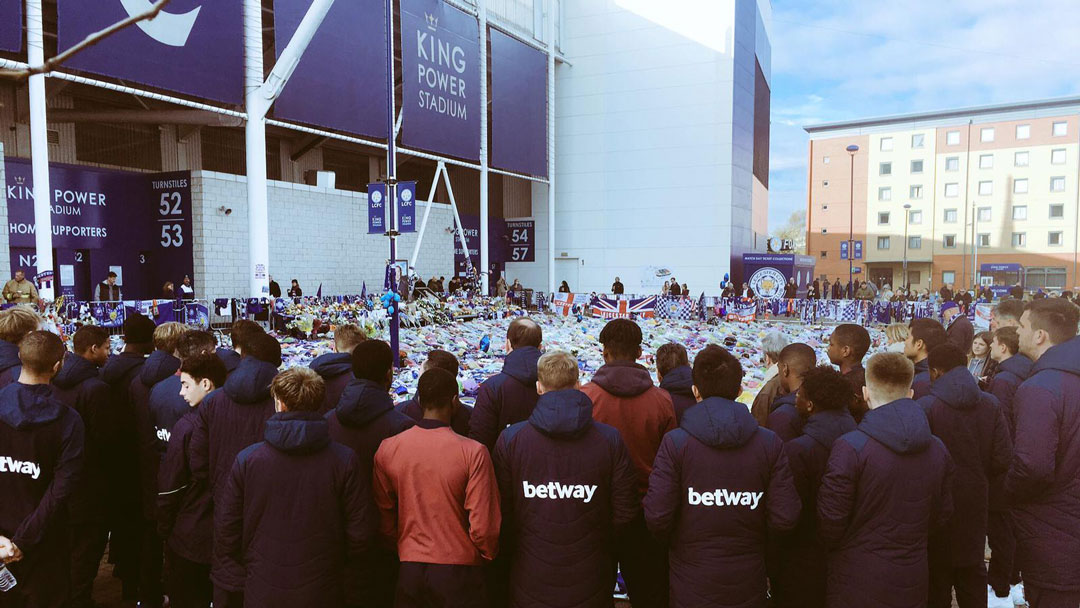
x: 184, y: 510
x: 972, y: 426
x: 45, y: 438
x: 720, y: 484
x: 78, y: 386
x: 228, y: 421
x: 561, y: 518
x: 1013, y: 368
x: 241, y: 332
x: 958, y: 327
x: 1007, y: 314
x: 439, y: 503
x: 1043, y: 483
x: 296, y: 505
x: 848, y: 345
x: 167, y: 405
x: 462, y: 418
x: 624, y: 397
x: 336, y: 367
x: 363, y: 418
x: 887, y: 486
x: 924, y: 336
x: 772, y: 344
x: 799, y: 573
x: 509, y: 396
x: 15, y: 323
x: 674, y: 374
x: 784, y: 419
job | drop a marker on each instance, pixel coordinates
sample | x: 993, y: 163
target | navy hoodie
x: 784, y: 419
x: 295, y: 506
x: 507, y: 397
x: 123, y: 456
x: 1010, y: 374
x: 921, y: 383
x: 229, y: 357
x: 9, y: 362
x: 230, y: 419
x: 185, y: 510
x: 158, y: 366
x: 336, y: 371
x: 972, y: 426
x: 719, y: 485
x: 887, y: 486
x: 78, y: 385
x: 560, y: 545
x: 1043, y: 482
x: 679, y: 384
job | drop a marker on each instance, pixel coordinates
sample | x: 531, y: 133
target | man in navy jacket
x: 461, y: 419
x: 295, y: 505
x: 924, y: 336
x: 784, y: 419
x: 336, y: 367
x: 509, y: 396
x: 41, y: 440
x: 559, y: 517
x: 848, y: 345
x: 15, y: 324
x: 719, y: 485
x: 1043, y: 483
x: 675, y: 376
x: 887, y: 486
x: 972, y: 426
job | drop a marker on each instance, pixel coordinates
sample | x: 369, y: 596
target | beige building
x: 982, y: 194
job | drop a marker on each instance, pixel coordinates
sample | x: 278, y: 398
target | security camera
x: 225, y: 210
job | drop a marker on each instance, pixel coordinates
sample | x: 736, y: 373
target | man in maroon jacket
x: 336, y: 367
x: 674, y: 374
x: 509, y: 396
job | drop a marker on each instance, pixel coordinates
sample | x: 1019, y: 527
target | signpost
x: 521, y: 234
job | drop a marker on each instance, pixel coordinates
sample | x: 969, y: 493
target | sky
x: 835, y: 60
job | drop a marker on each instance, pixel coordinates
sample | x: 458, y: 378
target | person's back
x: 673, y: 371
x: 336, y: 367
x: 719, y: 485
x: 15, y: 323
x: 509, y: 396
x: 461, y: 420
x: 560, y: 517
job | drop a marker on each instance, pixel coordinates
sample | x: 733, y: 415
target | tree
x: 794, y: 230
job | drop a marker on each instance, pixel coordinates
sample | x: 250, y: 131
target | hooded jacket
x: 624, y: 397
x: 78, y: 386
x: 920, y: 384
x: 185, y: 511
x: 560, y: 543
x: 1043, y: 483
x: 229, y: 357
x: 679, y: 386
x: 887, y: 486
x: 856, y: 377
x: 9, y: 362
x: 719, y: 485
x: 230, y: 419
x: 784, y: 419
x: 460, y: 420
x: 336, y: 371
x: 1010, y: 374
x: 295, y: 506
x: 123, y: 456
x: 507, y: 397
x: 961, y: 332
x: 158, y: 366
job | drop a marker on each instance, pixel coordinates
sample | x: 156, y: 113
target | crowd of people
x: 214, y: 477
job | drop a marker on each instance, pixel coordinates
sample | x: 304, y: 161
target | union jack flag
x: 644, y: 308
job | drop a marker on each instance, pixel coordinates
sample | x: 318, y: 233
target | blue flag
x: 318, y: 294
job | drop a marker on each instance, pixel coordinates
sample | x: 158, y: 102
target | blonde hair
x: 299, y: 389
x: 346, y: 337
x: 16, y: 322
x: 889, y: 376
x: 167, y: 336
x: 897, y: 332
x: 557, y: 370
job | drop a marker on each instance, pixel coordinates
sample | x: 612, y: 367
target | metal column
x: 485, y: 212
x: 551, y: 143
x: 39, y: 147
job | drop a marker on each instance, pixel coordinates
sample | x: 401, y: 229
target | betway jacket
x: 1011, y: 373
x: 679, y: 386
x: 185, y: 511
x: 784, y: 419
x: 9, y: 362
x: 158, y: 366
x: 719, y: 485
x: 336, y: 371
x: 920, y: 384
x: 567, y: 485
x: 123, y: 456
x: 507, y: 397
x: 78, y: 386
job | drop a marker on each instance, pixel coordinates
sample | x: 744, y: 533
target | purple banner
x: 11, y: 22
x: 518, y: 106
x: 376, y: 194
x: 320, y: 91
x: 522, y: 234
x: 193, y: 46
x: 440, y: 59
x: 406, y: 209
x: 497, y: 243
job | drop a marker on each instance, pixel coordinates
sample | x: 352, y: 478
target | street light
x: 907, y: 216
x: 852, y: 149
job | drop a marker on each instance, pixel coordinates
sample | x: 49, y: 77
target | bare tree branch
x: 55, y: 62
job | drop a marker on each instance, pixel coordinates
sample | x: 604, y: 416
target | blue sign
x: 518, y: 106
x: 858, y: 250
x: 11, y: 20
x: 522, y: 235
x: 320, y: 92
x: 376, y: 194
x: 440, y: 59
x: 1000, y: 268
x: 406, y: 209
x: 192, y: 46
x: 844, y: 249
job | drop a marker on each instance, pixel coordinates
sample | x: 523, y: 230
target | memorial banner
x: 406, y: 209
x: 376, y: 194
x: 518, y: 106
x: 11, y: 25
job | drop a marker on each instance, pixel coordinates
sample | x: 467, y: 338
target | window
x: 984, y: 214
x: 1057, y: 184
x: 882, y: 242
x: 986, y: 161
x: 1054, y: 239
x: 986, y: 188
x: 1057, y: 211
x: 915, y: 191
x: 984, y: 240
x: 950, y: 216
x: 1020, y: 212
x: 914, y: 242
x: 952, y: 190
x: 886, y: 144
x: 1020, y: 159
x: 1044, y: 278
x: 1057, y: 156
x: 986, y: 135
x: 1023, y: 131
x: 883, y: 217
x: 952, y: 163
x: 1019, y: 239
x: 915, y: 217
x: 884, y: 193
x: 824, y: 160
x: 948, y: 276
x: 1061, y: 129
x: 885, y: 169
x: 824, y: 254
x: 918, y: 140
x: 948, y: 241
x: 916, y: 166
x: 952, y: 138
x: 914, y: 277
x: 1020, y: 186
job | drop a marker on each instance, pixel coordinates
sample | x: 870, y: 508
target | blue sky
x: 843, y: 59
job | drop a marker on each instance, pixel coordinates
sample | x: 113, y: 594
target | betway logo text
x: 555, y: 491
x: 23, y: 467
x: 163, y: 435
x: 723, y: 498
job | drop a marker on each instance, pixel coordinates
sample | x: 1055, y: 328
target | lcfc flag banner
x: 518, y: 106
x: 376, y: 215
x: 406, y: 213
x: 11, y: 21
x: 193, y: 46
x: 440, y: 59
x: 319, y: 91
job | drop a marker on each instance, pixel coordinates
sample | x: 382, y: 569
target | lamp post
x: 907, y: 217
x: 852, y: 149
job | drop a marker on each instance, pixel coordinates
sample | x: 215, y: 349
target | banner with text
x: 376, y: 217
x: 497, y: 243
x: 440, y: 59
x: 11, y: 21
x: 406, y: 209
x: 522, y: 235
x: 518, y: 106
